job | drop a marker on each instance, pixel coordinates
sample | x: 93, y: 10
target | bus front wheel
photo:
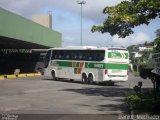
x: 54, y: 75
x: 90, y: 79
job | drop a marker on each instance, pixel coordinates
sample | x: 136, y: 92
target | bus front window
x: 47, y: 58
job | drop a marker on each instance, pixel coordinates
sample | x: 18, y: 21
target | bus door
x: 47, y: 64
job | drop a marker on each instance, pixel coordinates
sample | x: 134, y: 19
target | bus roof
x: 88, y: 48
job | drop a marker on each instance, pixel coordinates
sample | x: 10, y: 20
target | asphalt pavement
x: 36, y: 95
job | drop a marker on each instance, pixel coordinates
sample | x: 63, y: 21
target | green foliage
x: 133, y: 101
x: 145, y: 55
x: 157, y: 41
x: 122, y: 18
x: 143, y: 102
x: 158, y: 32
x: 145, y: 71
x: 136, y: 74
x: 157, y: 44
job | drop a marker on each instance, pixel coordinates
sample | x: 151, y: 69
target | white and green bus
x: 88, y: 64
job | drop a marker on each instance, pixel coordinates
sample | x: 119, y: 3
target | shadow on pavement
x: 77, y: 82
x: 114, y: 97
x: 109, y: 91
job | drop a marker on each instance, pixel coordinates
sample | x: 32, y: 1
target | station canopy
x: 17, y: 32
x: 10, y: 43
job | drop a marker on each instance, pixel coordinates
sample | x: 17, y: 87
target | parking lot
x: 36, y: 95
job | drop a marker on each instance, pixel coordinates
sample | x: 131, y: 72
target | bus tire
x: 54, y: 75
x: 71, y: 80
x: 90, y: 79
x: 84, y: 78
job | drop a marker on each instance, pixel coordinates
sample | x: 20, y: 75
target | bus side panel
x: 67, y: 72
x: 97, y: 73
x: 100, y: 74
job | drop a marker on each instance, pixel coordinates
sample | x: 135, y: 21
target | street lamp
x: 81, y: 3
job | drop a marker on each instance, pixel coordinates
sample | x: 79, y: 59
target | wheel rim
x: 90, y: 79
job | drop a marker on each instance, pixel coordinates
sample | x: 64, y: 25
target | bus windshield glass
x: 118, y: 53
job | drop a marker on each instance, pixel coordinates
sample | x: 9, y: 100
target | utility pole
x: 81, y: 3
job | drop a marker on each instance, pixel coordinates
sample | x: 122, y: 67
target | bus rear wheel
x: 90, y: 79
x: 71, y: 80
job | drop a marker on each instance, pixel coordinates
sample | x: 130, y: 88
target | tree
x: 146, y: 69
x: 157, y: 41
x: 122, y: 18
x: 158, y: 32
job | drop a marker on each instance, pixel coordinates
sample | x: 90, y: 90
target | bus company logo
x: 123, y: 55
x: 98, y: 65
x: 115, y: 55
x: 74, y: 64
x: 118, y: 55
x: 78, y: 64
x: 78, y: 67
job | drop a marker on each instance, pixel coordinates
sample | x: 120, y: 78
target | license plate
x: 116, y: 71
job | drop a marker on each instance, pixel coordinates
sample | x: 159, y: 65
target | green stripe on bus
x: 92, y: 65
x: 116, y: 66
x: 106, y: 66
x: 63, y: 63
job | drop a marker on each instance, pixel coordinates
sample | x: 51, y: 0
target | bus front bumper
x: 116, y: 78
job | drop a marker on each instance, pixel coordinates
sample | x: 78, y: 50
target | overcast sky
x: 66, y: 20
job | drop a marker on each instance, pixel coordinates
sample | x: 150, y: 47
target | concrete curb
x: 2, y: 77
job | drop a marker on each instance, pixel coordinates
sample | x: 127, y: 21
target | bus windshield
x: 118, y: 53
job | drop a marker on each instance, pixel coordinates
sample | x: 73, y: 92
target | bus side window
x: 101, y: 55
x: 80, y: 54
x: 87, y: 56
x: 61, y: 55
x: 67, y: 57
x: 55, y: 56
x: 83, y: 55
x: 94, y: 55
x: 73, y: 55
